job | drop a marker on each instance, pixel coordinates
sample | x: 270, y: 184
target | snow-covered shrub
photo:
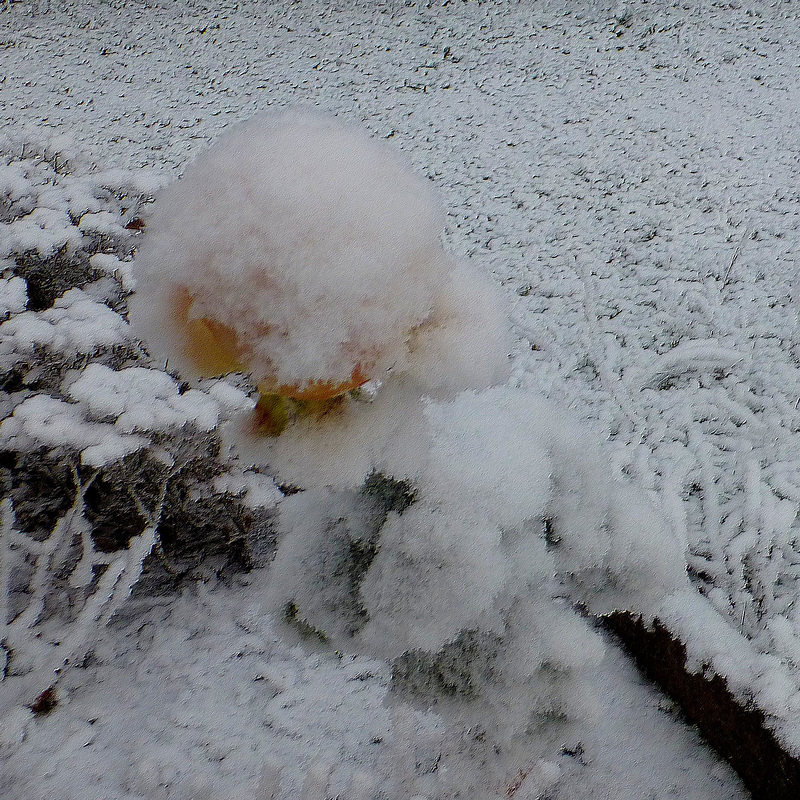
x: 468, y: 589
x: 75, y: 323
x: 50, y: 622
x: 122, y: 488
x: 111, y: 473
x: 302, y: 251
x: 57, y: 210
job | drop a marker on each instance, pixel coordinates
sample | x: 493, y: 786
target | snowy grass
x: 656, y: 143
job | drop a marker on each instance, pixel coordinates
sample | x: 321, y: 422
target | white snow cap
x: 318, y: 254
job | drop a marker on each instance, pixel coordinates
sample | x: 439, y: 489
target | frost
x: 41, y: 644
x: 256, y: 490
x: 112, y: 265
x: 44, y: 230
x: 42, y: 420
x: 687, y: 356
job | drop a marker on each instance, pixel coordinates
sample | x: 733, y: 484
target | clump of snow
x: 101, y: 222
x: 142, y: 399
x: 255, y: 489
x: 13, y: 296
x: 513, y: 513
x: 142, y: 182
x: 44, y: 421
x: 75, y: 323
x: 321, y: 253
x: 230, y: 397
x: 110, y: 264
x: 114, y: 413
x: 43, y: 230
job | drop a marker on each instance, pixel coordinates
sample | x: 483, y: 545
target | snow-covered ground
x: 626, y: 171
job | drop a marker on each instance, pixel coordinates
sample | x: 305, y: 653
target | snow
x: 110, y: 393
x: 75, y: 323
x: 473, y: 553
x: 13, y: 296
x: 316, y: 250
x: 231, y: 398
x: 44, y: 231
x: 256, y: 490
x: 211, y: 660
x: 44, y: 420
x: 751, y: 675
x: 655, y: 142
x: 108, y: 416
x: 110, y: 264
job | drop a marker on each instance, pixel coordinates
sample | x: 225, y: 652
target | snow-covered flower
x: 302, y: 251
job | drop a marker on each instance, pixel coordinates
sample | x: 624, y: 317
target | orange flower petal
x: 214, y: 349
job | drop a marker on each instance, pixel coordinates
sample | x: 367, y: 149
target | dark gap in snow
x: 48, y: 278
x: 42, y: 487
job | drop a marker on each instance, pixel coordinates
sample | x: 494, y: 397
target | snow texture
x: 283, y: 717
x: 513, y: 512
x: 255, y: 489
x: 653, y: 140
x: 321, y: 253
x: 41, y: 420
x: 75, y: 323
x: 13, y: 296
x: 109, y: 393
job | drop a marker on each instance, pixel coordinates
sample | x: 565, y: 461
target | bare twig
x: 45, y: 660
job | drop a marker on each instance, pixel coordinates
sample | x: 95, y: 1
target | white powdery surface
x: 115, y: 413
x: 143, y: 399
x: 203, y: 698
x: 53, y: 198
x: 75, y: 323
x: 657, y: 142
x: 46, y: 421
x: 254, y: 489
x: 13, y: 296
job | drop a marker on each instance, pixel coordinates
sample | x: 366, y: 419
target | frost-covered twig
x: 736, y: 251
x: 24, y: 636
x: 5, y: 561
x: 612, y: 384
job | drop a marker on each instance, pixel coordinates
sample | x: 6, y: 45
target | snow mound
x: 513, y: 514
x: 312, y: 256
x: 13, y: 296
